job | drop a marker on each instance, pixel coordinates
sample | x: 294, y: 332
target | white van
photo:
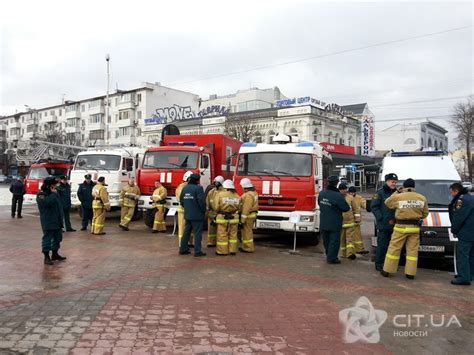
x: 433, y: 172
x: 117, y: 165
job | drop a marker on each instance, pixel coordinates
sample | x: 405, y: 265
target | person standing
x: 193, y: 200
x: 248, y: 214
x: 100, y: 204
x: 128, y: 198
x: 349, y: 220
x: 211, y: 211
x: 18, y: 190
x: 360, y: 203
x: 384, y: 217
x: 180, y: 210
x: 64, y: 192
x: 51, y: 217
x: 159, y: 202
x: 331, y: 205
x: 461, y: 214
x: 84, y: 194
x: 227, y: 206
x: 410, y: 209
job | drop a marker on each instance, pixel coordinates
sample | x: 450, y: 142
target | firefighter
x: 349, y: 220
x: 227, y: 204
x: 194, y: 202
x: 159, y: 202
x: 211, y: 211
x: 361, y: 203
x: 384, y: 217
x: 128, y: 198
x: 461, y: 214
x: 51, y: 216
x: 332, y: 204
x: 180, y: 210
x: 248, y: 214
x: 410, y: 209
x: 100, y: 204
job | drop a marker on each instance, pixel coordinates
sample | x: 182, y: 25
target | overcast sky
x: 51, y: 48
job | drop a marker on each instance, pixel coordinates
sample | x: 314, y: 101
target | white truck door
x: 205, y: 170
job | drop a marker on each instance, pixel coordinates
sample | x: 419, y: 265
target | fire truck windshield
x: 38, y: 173
x: 169, y: 159
x: 98, y: 162
x: 276, y: 164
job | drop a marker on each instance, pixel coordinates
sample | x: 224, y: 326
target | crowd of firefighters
x: 398, y: 213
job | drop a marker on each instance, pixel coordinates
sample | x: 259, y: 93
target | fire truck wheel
x: 137, y: 215
x: 149, y: 217
x: 316, y: 238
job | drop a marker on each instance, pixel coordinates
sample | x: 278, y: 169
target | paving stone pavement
x: 131, y: 292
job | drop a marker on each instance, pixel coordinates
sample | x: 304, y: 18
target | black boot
x: 47, y: 259
x: 58, y: 257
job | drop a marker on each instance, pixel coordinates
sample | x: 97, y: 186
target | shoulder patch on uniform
x: 41, y: 197
x: 458, y: 204
x: 376, y: 196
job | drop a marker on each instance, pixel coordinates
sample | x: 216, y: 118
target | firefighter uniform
x: 180, y: 211
x: 227, y: 205
x: 211, y: 216
x: 410, y: 208
x: 349, y: 220
x: 159, y: 202
x: 128, y: 200
x: 100, y: 204
x: 248, y: 214
x: 361, y: 203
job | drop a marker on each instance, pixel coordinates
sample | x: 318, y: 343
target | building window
x: 72, y: 122
x: 430, y: 143
x: 258, y: 137
x: 51, y: 112
x: 124, y: 131
x: 95, y: 103
x: 124, y: 115
x: 60, y: 112
x: 97, y: 134
x: 127, y: 97
x: 139, y: 97
x: 271, y: 134
x: 71, y: 108
x: 409, y: 141
x: 293, y: 132
x: 97, y: 118
x: 46, y: 114
x: 316, y: 135
x: 350, y: 141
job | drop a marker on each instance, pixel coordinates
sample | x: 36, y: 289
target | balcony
x: 96, y: 142
x: 125, y: 122
x: 3, y: 127
x: 50, y: 119
x: 73, y: 129
x: 124, y: 140
x: 15, y: 124
x: 96, y: 126
x: 30, y: 135
x: 96, y: 110
x: 126, y: 105
x: 14, y: 136
x: 73, y: 114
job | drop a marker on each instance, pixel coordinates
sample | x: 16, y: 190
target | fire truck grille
x: 277, y: 203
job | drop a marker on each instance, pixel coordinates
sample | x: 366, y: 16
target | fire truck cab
x: 287, y: 176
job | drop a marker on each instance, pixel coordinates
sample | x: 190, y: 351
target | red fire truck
x: 41, y: 170
x: 209, y: 155
x: 288, y: 177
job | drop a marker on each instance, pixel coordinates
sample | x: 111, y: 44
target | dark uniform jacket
x: 382, y: 213
x: 193, y: 200
x: 84, y: 194
x: 461, y: 214
x: 51, y: 210
x: 18, y: 188
x: 331, y: 204
x: 64, y: 192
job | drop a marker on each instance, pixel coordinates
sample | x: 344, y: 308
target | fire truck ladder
x: 46, y: 150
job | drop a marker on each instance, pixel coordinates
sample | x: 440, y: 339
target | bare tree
x: 463, y: 122
x: 242, y: 129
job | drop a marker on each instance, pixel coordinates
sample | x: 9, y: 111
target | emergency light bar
x: 305, y: 144
x: 183, y: 143
x: 249, y: 144
x: 419, y: 154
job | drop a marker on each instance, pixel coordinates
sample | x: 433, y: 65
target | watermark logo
x: 362, y: 322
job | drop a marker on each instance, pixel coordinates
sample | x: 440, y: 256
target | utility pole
x: 106, y: 132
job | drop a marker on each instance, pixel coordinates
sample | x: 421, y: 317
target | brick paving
x: 131, y: 293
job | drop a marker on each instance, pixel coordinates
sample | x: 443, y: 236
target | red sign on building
x: 338, y: 148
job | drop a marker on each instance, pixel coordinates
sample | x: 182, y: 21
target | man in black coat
x: 194, y: 202
x: 18, y: 190
x: 51, y: 216
x: 84, y: 194
x: 64, y: 192
x: 331, y: 205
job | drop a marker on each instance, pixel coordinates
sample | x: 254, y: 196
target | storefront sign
x: 338, y: 148
x: 214, y: 109
x: 300, y: 101
x: 294, y: 111
x: 367, y: 137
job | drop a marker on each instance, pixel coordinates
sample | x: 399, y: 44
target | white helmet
x: 187, y: 175
x: 228, y: 184
x: 219, y: 179
x: 246, y: 183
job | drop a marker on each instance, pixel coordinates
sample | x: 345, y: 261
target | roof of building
x: 357, y: 109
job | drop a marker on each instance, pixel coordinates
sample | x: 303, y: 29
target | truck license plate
x: 270, y: 225
x: 432, y: 248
